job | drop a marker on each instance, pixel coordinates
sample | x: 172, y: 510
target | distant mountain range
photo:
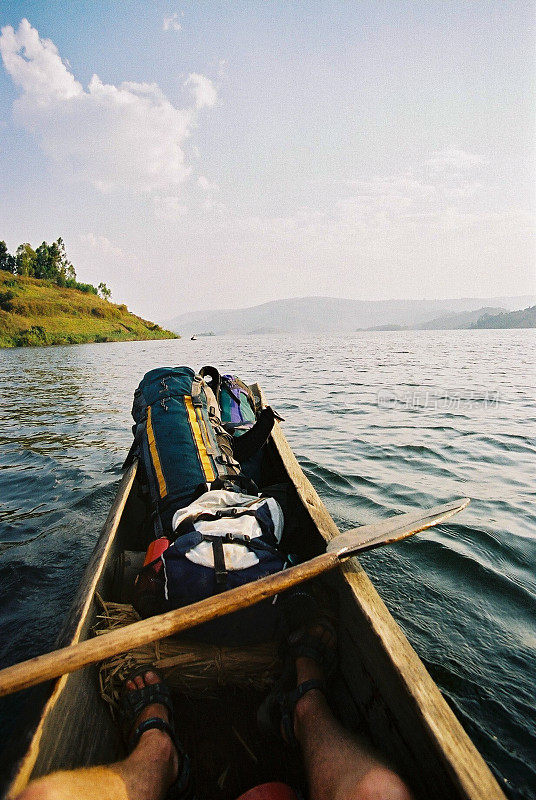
x: 329, y: 314
x: 446, y: 322
x: 526, y: 318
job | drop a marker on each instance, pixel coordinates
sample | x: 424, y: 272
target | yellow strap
x: 154, y: 455
x: 201, y: 449
x: 204, y: 431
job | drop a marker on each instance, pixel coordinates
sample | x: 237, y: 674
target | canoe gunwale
x: 469, y: 772
x: 75, y: 625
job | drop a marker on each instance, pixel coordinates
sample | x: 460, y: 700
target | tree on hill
x: 7, y: 261
x: 26, y: 259
x: 524, y: 318
x: 48, y: 262
x: 104, y: 292
x: 66, y: 271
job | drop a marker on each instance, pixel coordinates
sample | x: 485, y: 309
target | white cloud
x: 442, y: 187
x: 206, y: 185
x: 453, y: 159
x: 126, y: 137
x: 169, y: 208
x: 101, y: 245
x: 386, y: 219
x: 202, y: 89
x: 36, y: 66
x: 171, y: 23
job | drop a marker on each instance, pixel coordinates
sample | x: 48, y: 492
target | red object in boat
x: 156, y: 549
x: 269, y: 791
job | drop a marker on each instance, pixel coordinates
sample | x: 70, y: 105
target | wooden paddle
x: 341, y: 547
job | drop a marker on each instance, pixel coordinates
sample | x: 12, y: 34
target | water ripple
x: 382, y: 423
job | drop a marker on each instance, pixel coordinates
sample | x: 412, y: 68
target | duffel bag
x: 223, y: 539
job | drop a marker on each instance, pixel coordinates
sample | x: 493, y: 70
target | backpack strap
x: 188, y: 523
x: 245, y: 388
x: 190, y: 540
x: 215, y: 380
x: 226, y: 464
x: 195, y: 393
x: 220, y: 568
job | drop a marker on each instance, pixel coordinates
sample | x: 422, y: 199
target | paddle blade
x: 393, y: 529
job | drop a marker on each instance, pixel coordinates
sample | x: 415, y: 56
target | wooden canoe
x: 383, y: 691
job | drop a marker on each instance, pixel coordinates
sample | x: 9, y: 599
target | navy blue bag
x: 218, y: 547
x: 190, y: 582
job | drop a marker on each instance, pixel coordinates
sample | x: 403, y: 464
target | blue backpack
x: 221, y: 547
x: 179, y: 441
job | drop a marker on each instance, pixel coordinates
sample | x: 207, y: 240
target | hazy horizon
x: 208, y: 156
x: 242, y: 306
x: 335, y: 314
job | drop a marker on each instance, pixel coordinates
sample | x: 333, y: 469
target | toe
x: 138, y: 680
x: 151, y: 678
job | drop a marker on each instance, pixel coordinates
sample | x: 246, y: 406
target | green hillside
x: 39, y: 312
x: 525, y: 318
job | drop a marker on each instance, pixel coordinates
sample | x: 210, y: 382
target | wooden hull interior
x: 382, y: 691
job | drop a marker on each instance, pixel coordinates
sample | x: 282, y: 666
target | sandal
x: 275, y: 716
x: 300, y: 613
x: 131, y: 704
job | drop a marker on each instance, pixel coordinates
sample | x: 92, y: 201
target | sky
x: 220, y: 154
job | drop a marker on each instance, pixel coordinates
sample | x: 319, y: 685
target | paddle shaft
x: 68, y: 659
x: 341, y: 547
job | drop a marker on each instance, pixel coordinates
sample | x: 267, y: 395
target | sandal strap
x: 308, y: 646
x: 287, y: 704
x: 300, y: 612
x: 303, y: 688
x: 181, y: 788
x: 149, y: 724
x: 133, y: 702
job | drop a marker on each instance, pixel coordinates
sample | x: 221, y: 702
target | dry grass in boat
x: 196, y: 669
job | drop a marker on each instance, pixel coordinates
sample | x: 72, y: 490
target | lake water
x: 380, y: 422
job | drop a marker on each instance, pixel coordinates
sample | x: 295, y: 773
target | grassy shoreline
x: 36, y: 313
